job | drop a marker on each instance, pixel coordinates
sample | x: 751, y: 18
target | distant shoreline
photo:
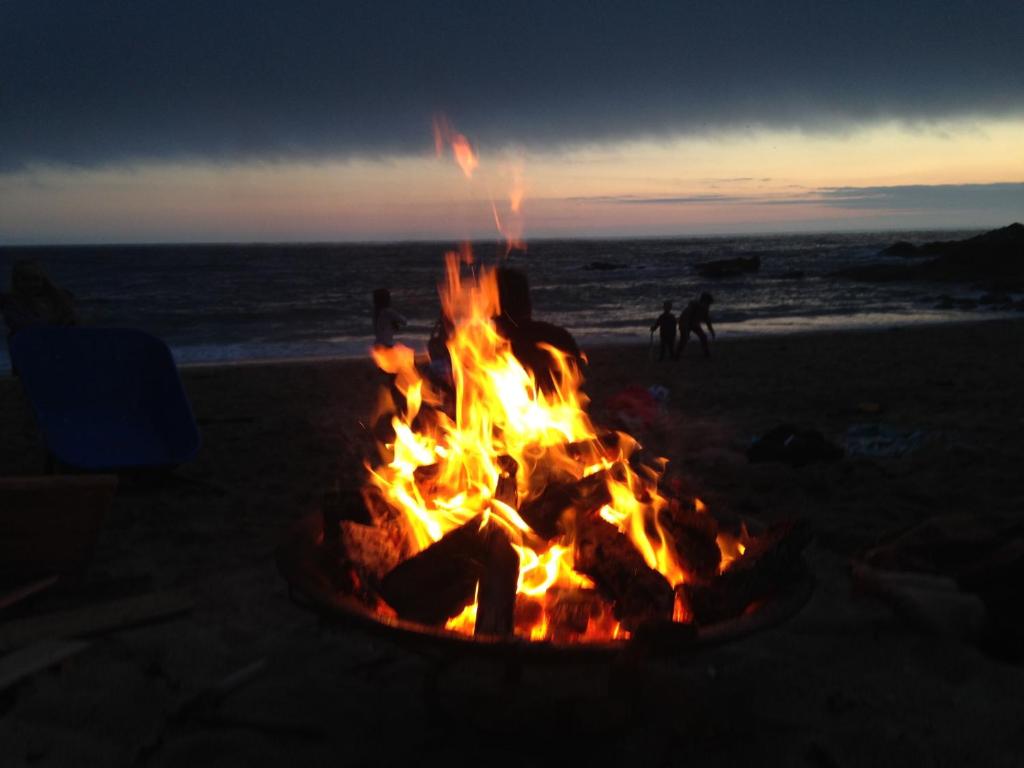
x: 1014, y: 318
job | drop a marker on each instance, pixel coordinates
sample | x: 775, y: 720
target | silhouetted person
x: 666, y: 325
x: 385, y: 320
x: 35, y: 300
x: 440, y: 366
x: 526, y: 335
x: 690, y: 320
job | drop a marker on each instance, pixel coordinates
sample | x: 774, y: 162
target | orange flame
x: 462, y: 150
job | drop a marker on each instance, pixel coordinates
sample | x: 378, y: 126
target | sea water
x: 224, y: 303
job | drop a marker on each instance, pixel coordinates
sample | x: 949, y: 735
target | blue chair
x: 105, y: 398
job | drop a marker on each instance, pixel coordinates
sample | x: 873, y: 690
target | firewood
x: 594, y: 449
x: 370, y: 550
x: 426, y: 476
x: 693, y: 540
x: 570, y: 611
x: 607, y: 556
x: 437, y: 583
x: 770, y: 562
x: 544, y: 513
x: 496, y: 597
x: 389, y: 519
x: 507, y: 491
x: 529, y: 613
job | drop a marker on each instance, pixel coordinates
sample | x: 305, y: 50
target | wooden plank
x: 93, y: 619
x: 22, y: 663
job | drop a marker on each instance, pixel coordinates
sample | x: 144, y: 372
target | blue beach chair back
x: 106, y: 398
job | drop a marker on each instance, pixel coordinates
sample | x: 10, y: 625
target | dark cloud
x: 930, y: 197
x: 108, y: 80
x: 1005, y: 196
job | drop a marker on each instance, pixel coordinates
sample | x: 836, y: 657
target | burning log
x: 426, y: 477
x: 604, y: 446
x: 694, y: 542
x: 607, y: 556
x: 370, y: 550
x: 338, y: 508
x: 769, y: 563
x: 437, y: 583
x: 389, y: 519
x: 570, y: 612
x: 529, y: 613
x: 496, y: 597
x: 507, y: 491
x: 585, y: 496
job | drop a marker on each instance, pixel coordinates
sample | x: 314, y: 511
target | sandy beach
x: 845, y: 683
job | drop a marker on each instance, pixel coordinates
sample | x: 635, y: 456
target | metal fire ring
x: 300, y: 561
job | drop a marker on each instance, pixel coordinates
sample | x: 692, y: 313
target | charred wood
x: 585, y: 496
x: 693, y: 539
x: 369, y: 549
x: 499, y: 577
x: 529, y: 613
x: 771, y: 561
x: 570, y: 612
x: 389, y: 519
x: 638, y: 592
x: 507, y: 491
x: 437, y: 583
x: 603, y: 446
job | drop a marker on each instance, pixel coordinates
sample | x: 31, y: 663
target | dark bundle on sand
x: 957, y: 575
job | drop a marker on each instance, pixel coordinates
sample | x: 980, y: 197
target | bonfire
x: 497, y: 508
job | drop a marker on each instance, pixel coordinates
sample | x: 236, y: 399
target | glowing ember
x: 504, y: 448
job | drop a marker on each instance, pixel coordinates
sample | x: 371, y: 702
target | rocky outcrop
x: 728, y: 267
x: 994, y: 260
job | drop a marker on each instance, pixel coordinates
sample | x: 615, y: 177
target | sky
x: 156, y: 121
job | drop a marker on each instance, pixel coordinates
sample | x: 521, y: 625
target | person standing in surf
x: 666, y: 326
x: 385, y: 320
x: 697, y: 313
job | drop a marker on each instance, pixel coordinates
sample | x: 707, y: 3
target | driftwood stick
x: 93, y: 619
x: 26, y: 591
x: 36, y: 657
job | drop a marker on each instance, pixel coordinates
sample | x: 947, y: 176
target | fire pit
x: 498, y: 519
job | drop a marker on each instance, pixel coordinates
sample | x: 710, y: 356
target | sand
x: 845, y: 683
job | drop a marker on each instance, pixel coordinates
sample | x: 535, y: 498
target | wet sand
x: 843, y: 684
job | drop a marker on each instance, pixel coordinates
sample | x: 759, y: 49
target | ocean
x: 226, y: 303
